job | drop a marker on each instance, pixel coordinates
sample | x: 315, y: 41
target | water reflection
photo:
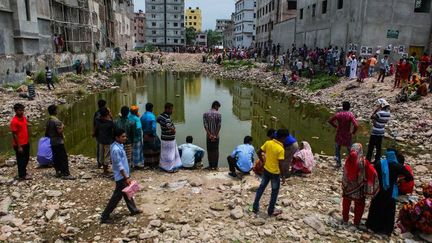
x: 246, y: 110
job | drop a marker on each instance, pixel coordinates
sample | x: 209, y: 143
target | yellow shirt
x: 274, y: 151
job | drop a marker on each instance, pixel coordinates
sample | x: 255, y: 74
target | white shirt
x: 188, y: 154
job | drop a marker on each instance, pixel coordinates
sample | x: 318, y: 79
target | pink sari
x: 303, y: 159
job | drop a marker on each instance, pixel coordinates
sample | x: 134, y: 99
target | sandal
x: 276, y: 212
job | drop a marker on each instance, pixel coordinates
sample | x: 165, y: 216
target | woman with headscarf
x: 303, y: 160
x: 382, y: 210
x: 359, y: 179
x: 137, y: 148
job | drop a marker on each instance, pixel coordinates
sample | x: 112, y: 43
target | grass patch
x: 322, y: 81
x: 118, y: 63
x: 14, y: 86
x: 233, y: 64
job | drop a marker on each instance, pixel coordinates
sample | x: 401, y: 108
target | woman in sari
x: 359, y: 179
x: 303, y: 160
x: 382, y: 210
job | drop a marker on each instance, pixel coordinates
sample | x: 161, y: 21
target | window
x: 175, y: 8
x: 422, y: 6
x: 27, y: 8
x: 340, y: 4
x: 324, y: 7
x: 154, y: 40
x: 292, y: 5
x: 154, y: 32
x: 175, y: 24
x: 313, y: 9
x: 153, y: 16
x: 195, y: 17
x: 153, y: 24
x: 153, y: 7
x: 175, y: 40
x: 301, y: 13
x: 194, y: 23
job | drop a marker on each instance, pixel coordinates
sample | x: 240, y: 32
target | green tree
x: 213, y: 38
x: 190, y: 35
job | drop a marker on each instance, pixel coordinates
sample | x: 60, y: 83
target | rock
x: 314, y: 222
x: 4, y: 206
x: 258, y: 222
x: 286, y: 202
x: 237, y: 213
x: 426, y: 237
x: 217, y: 207
x: 155, y: 223
x: 49, y: 214
x: 420, y: 169
x: 196, y: 183
x: 86, y: 176
x: 53, y: 193
x: 10, y: 162
x: 71, y: 230
x: 22, y: 88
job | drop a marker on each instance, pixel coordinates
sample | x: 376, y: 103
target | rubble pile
x: 194, y: 206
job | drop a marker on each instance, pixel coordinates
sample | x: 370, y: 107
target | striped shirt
x: 212, y: 121
x: 380, y: 119
x: 49, y: 74
x: 167, y: 126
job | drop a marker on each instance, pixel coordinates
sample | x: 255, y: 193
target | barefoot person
x: 122, y: 178
x: 275, y: 156
x: 20, y: 142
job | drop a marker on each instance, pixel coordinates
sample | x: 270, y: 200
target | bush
x: 118, y: 63
x: 322, y: 81
x: 40, y: 78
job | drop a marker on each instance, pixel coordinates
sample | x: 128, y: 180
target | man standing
x: 49, y: 78
x: 151, y: 141
x: 137, y: 148
x: 124, y: 123
x: 122, y: 178
x: 242, y: 157
x: 54, y: 131
x: 212, y: 125
x: 96, y: 116
x: 190, y: 154
x: 104, y: 132
x: 275, y: 155
x: 20, y: 142
x: 380, y: 117
x: 383, y: 68
x: 170, y: 157
x: 372, y: 62
x: 343, y: 121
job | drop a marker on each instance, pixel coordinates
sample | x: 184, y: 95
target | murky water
x: 246, y: 110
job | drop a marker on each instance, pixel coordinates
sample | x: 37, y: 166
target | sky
x: 210, y: 10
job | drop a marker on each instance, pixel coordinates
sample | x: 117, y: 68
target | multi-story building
x: 193, y: 19
x: 244, y: 23
x: 165, y: 24
x: 201, y: 39
x: 266, y: 17
x: 228, y: 34
x: 221, y: 24
x: 139, y: 29
x: 284, y: 29
x: 30, y: 26
x: 367, y: 27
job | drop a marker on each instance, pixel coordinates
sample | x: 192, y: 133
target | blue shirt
x: 119, y: 161
x: 148, y: 122
x: 245, y: 155
x: 188, y: 154
x: 138, y: 127
x: 290, y: 140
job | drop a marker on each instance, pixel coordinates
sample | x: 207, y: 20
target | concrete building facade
x: 139, y: 29
x: 201, y: 39
x: 165, y: 24
x: 228, y: 34
x: 244, y: 23
x: 266, y: 17
x: 193, y: 18
x: 29, y: 26
x: 221, y: 24
x: 367, y: 27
